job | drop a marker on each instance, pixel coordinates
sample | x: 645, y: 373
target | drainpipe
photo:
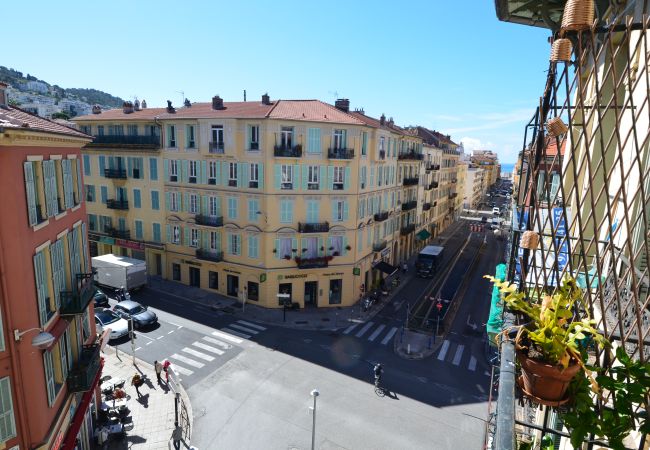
x: 505, y: 432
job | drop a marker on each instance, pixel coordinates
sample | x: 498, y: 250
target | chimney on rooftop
x: 144, y: 104
x: 127, y: 107
x: 390, y: 122
x: 3, y: 94
x: 187, y: 103
x: 382, y: 120
x: 343, y: 104
x: 136, y: 104
x: 97, y: 109
x: 170, y: 108
x: 266, y: 100
x: 217, y: 102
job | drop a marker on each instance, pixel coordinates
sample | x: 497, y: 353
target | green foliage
x: 61, y: 115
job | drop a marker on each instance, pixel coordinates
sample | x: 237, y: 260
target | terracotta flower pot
x: 544, y: 382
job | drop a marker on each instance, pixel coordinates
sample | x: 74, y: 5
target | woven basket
x: 578, y: 15
x: 529, y: 240
x: 561, y: 50
x: 556, y: 127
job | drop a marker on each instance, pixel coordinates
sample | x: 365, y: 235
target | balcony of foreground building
x: 426, y: 206
x: 312, y: 263
x: 209, y: 221
x: 315, y: 227
x: 407, y: 206
x: 410, y: 155
x: 382, y: 154
x: 435, y: 167
x: 143, y: 142
x: 216, y: 148
x: 287, y: 151
x: 117, y: 204
x: 412, y: 181
x: 118, y: 174
x: 434, y: 185
x: 452, y: 195
x: 379, y: 246
x: 454, y: 180
x: 340, y: 153
x: 407, y: 229
x: 84, y: 371
x: 117, y: 233
x: 76, y: 301
x: 209, y: 255
x: 381, y: 216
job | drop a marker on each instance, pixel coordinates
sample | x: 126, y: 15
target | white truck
x: 119, y: 271
x: 428, y: 260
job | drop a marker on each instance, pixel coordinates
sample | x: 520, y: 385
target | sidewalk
x: 152, y: 415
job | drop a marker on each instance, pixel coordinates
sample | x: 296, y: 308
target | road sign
x: 439, y: 306
x: 284, y: 295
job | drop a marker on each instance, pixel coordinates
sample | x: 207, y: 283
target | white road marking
x: 350, y: 328
x: 472, y: 364
x: 176, y: 325
x: 145, y: 336
x: 236, y: 333
x: 227, y: 337
x: 364, y: 329
x: 182, y: 370
x: 198, y: 354
x: 187, y: 360
x: 486, y: 373
x: 160, y: 337
x: 150, y: 342
x: 458, y: 355
x: 374, y: 335
x: 171, y: 331
x: 138, y: 349
x: 389, y: 336
x: 208, y: 348
x: 248, y: 324
x: 443, y: 350
x: 217, y: 342
x: 478, y: 386
x: 242, y: 328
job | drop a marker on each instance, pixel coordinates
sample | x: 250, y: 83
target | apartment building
x: 488, y: 161
x: 50, y: 361
x: 252, y: 199
x: 473, y: 192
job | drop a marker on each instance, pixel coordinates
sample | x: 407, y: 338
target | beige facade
x: 474, y: 188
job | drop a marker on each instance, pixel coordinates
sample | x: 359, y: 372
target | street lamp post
x: 132, y: 334
x: 314, y: 394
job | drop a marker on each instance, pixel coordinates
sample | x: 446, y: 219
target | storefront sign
x: 130, y: 244
x: 262, y: 277
x: 302, y: 275
x: 356, y: 271
x: 102, y: 239
x: 232, y: 271
x: 333, y: 274
x: 94, y: 237
x: 154, y: 245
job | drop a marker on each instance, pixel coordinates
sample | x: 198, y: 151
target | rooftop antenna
x: 182, y: 96
x: 334, y: 93
x: 244, y: 94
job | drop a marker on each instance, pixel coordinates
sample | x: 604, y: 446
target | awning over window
x: 422, y: 235
x: 57, y: 331
x: 385, y: 267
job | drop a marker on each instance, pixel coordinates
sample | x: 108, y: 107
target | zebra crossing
x: 371, y: 333
x: 210, y: 347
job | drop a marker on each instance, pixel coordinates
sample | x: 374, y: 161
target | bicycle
x: 379, y: 390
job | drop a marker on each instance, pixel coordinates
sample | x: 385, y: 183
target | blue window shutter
x: 102, y: 165
x: 41, y: 285
x: 184, y: 170
x: 346, y: 179
x: 261, y: 175
x: 277, y: 176
x: 129, y: 167
x: 296, y: 177
x: 156, y: 232
x: 322, y: 177
x: 80, y: 185
x: 136, y: 198
x: 169, y: 233
x: 333, y: 207
x: 218, y: 172
x: 32, y: 216
x: 372, y: 177
x: 219, y: 206
x: 104, y: 194
x: 186, y: 236
x: 242, y: 174
x: 345, y: 210
x: 186, y: 202
x: 86, y: 159
x: 305, y: 173
x: 330, y: 178
x: 166, y: 166
x: 205, y: 206
x: 204, y: 172
x: 153, y: 169
x: 167, y: 201
x: 138, y: 229
x: 290, y: 211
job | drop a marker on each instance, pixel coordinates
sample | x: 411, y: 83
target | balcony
x: 119, y: 174
x: 381, y: 216
x: 410, y: 155
x: 454, y: 180
x: 117, y: 204
x: 119, y: 234
x: 378, y: 246
x: 340, y: 153
x: 407, y: 206
x: 216, y: 147
x: 434, y: 185
x: 148, y: 142
x: 208, y: 221
x: 85, y: 369
x: 209, y: 255
x: 316, y: 227
x: 412, y: 181
x: 452, y: 195
x: 435, y: 166
x: 434, y: 204
x: 287, y: 151
x: 382, y: 154
x: 407, y: 229
x: 426, y: 207
x: 76, y: 302
x: 312, y: 263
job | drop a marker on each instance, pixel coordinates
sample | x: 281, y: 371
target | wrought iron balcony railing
x: 340, y: 153
x: 77, y: 301
x: 312, y: 263
x: 287, y: 152
x: 410, y: 155
x: 115, y: 173
x: 412, y: 181
x: 84, y: 371
x: 117, y: 233
x: 407, y: 229
x: 426, y: 206
x: 382, y: 154
x: 209, y: 255
x: 209, y: 221
x: 381, y: 216
x: 216, y: 147
x: 117, y: 204
x: 406, y: 206
x: 150, y: 142
x: 316, y: 227
x: 379, y: 246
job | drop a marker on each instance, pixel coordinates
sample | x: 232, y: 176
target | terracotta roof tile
x: 239, y: 110
x: 16, y: 118
x: 312, y: 111
x: 375, y: 123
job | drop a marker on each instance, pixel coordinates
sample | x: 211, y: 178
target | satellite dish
x: 42, y: 340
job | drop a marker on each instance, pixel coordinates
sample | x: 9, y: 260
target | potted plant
x: 287, y: 257
x: 348, y: 248
x: 322, y: 248
x: 275, y: 250
x: 304, y: 250
x: 548, y: 347
x: 335, y: 254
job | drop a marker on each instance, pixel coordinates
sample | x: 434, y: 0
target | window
x: 286, y: 172
x: 194, y: 204
x: 312, y: 178
x: 92, y: 222
x: 173, y: 170
x: 215, y: 241
x: 155, y: 227
x: 232, y: 208
x: 364, y: 143
x: 313, y: 139
x: 232, y: 174
x: 213, y: 280
x: 286, y: 211
x: 254, y: 175
x: 90, y: 193
x: 254, y: 137
x: 284, y: 248
x: 380, y: 172
x: 195, y: 238
x: 253, y: 247
x: 155, y: 200
x: 253, y: 291
x: 132, y: 130
x: 216, y: 145
x: 212, y: 172
x: 116, y: 130
x: 336, y: 245
x: 234, y: 244
x: 137, y: 202
x: 339, y: 210
x: 193, y: 171
x: 335, y: 291
x: 213, y: 206
x: 174, y: 201
x: 100, y: 130
x: 382, y: 140
x: 176, y: 272
x: 286, y: 138
x: 339, y: 139
x: 86, y: 159
x: 153, y: 169
x: 176, y: 234
x: 189, y: 137
x: 171, y: 136
x: 253, y: 209
x: 339, y: 176
x: 138, y: 230
x: 363, y: 177
x: 313, y: 211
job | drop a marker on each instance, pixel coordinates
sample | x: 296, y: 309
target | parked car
x: 101, y: 299
x: 496, y: 211
x: 108, y: 319
x: 142, y: 317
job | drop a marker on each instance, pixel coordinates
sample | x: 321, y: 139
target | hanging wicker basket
x: 578, y: 15
x: 561, y: 50
x: 529, y: 240
x: 556, y: 127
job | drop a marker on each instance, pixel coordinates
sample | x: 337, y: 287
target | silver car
x: 142, y: 317
x: 108, y: 319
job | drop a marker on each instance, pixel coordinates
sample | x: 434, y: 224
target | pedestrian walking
x: 166, y: 365
x: 136, y: 381
x: 405, y: 267
x: 159, y: 368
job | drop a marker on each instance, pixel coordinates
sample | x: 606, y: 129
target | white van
x: 496, y: 211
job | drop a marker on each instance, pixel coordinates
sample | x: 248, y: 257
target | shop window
x: 176, y: 272
x: 253, y: 291
x: 213, y: 280
x: 335, y: 291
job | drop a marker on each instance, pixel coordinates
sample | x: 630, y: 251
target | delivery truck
x: 114, y: 272
x: 428, y: 259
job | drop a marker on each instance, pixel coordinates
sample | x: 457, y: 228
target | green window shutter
x: 32, y: 215
x: 321, y: 247
x: 129, y: 167
x: 205, y: 241
x: 49, y: 377
x: 166, y: 168
x: 140, y: 165
x: 186, y: 202
x: 346, y: 179
x: 218, y: 172
x: 372, y: 177
x: 153, y: 169
x: 244, y: 172
x: 156, y: 232
x: 305, y: 174
x: 41, y: 286
x: 138, y: 229
x: 80, y: 186
x: 186, y: 236
x: 205, y: 206
x: 345, y: 244
x: 169, y: 233
x: 50, y: 194
x: 330, y: 178
x: 136, y: 198
x: 225, y: 175
x: 167, y: 201
x: 261, y: 175
x: 277, y: 176
x: 345, y: 210
x: 102, y: 165
x: 184, y: 170
x: 204, y: 172
x: 290, y: 211
x: 333, y: 208
x: 84, y: 249
x: 296, y: 177
x: 322, y: 177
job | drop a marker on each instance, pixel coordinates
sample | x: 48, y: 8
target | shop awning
x: 422, y: 235
x: 385, y: 267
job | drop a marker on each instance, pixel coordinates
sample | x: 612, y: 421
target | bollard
x: 408, y: 349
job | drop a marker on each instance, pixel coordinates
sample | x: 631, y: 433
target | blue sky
x: 447, y: 65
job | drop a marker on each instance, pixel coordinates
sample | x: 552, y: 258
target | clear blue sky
x: 447, y: 65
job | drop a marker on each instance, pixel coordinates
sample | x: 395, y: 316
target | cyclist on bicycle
x: 378, y: 370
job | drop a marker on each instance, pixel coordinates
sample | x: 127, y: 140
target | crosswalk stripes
x: 182, y: 370
x: 458, y: 355
x: 389, y: 336
x: 443, y: 350
x: 236, y: 333
x: 217, y: 342
x: 198, y: 354
x: 472, y: 364
x: 253, y: 325
x: 227, y: 337
x: 187, y: 360
x: 350, y: 328
x: 364, y: 329
x: 208, y: 348
x: 374, y: 335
